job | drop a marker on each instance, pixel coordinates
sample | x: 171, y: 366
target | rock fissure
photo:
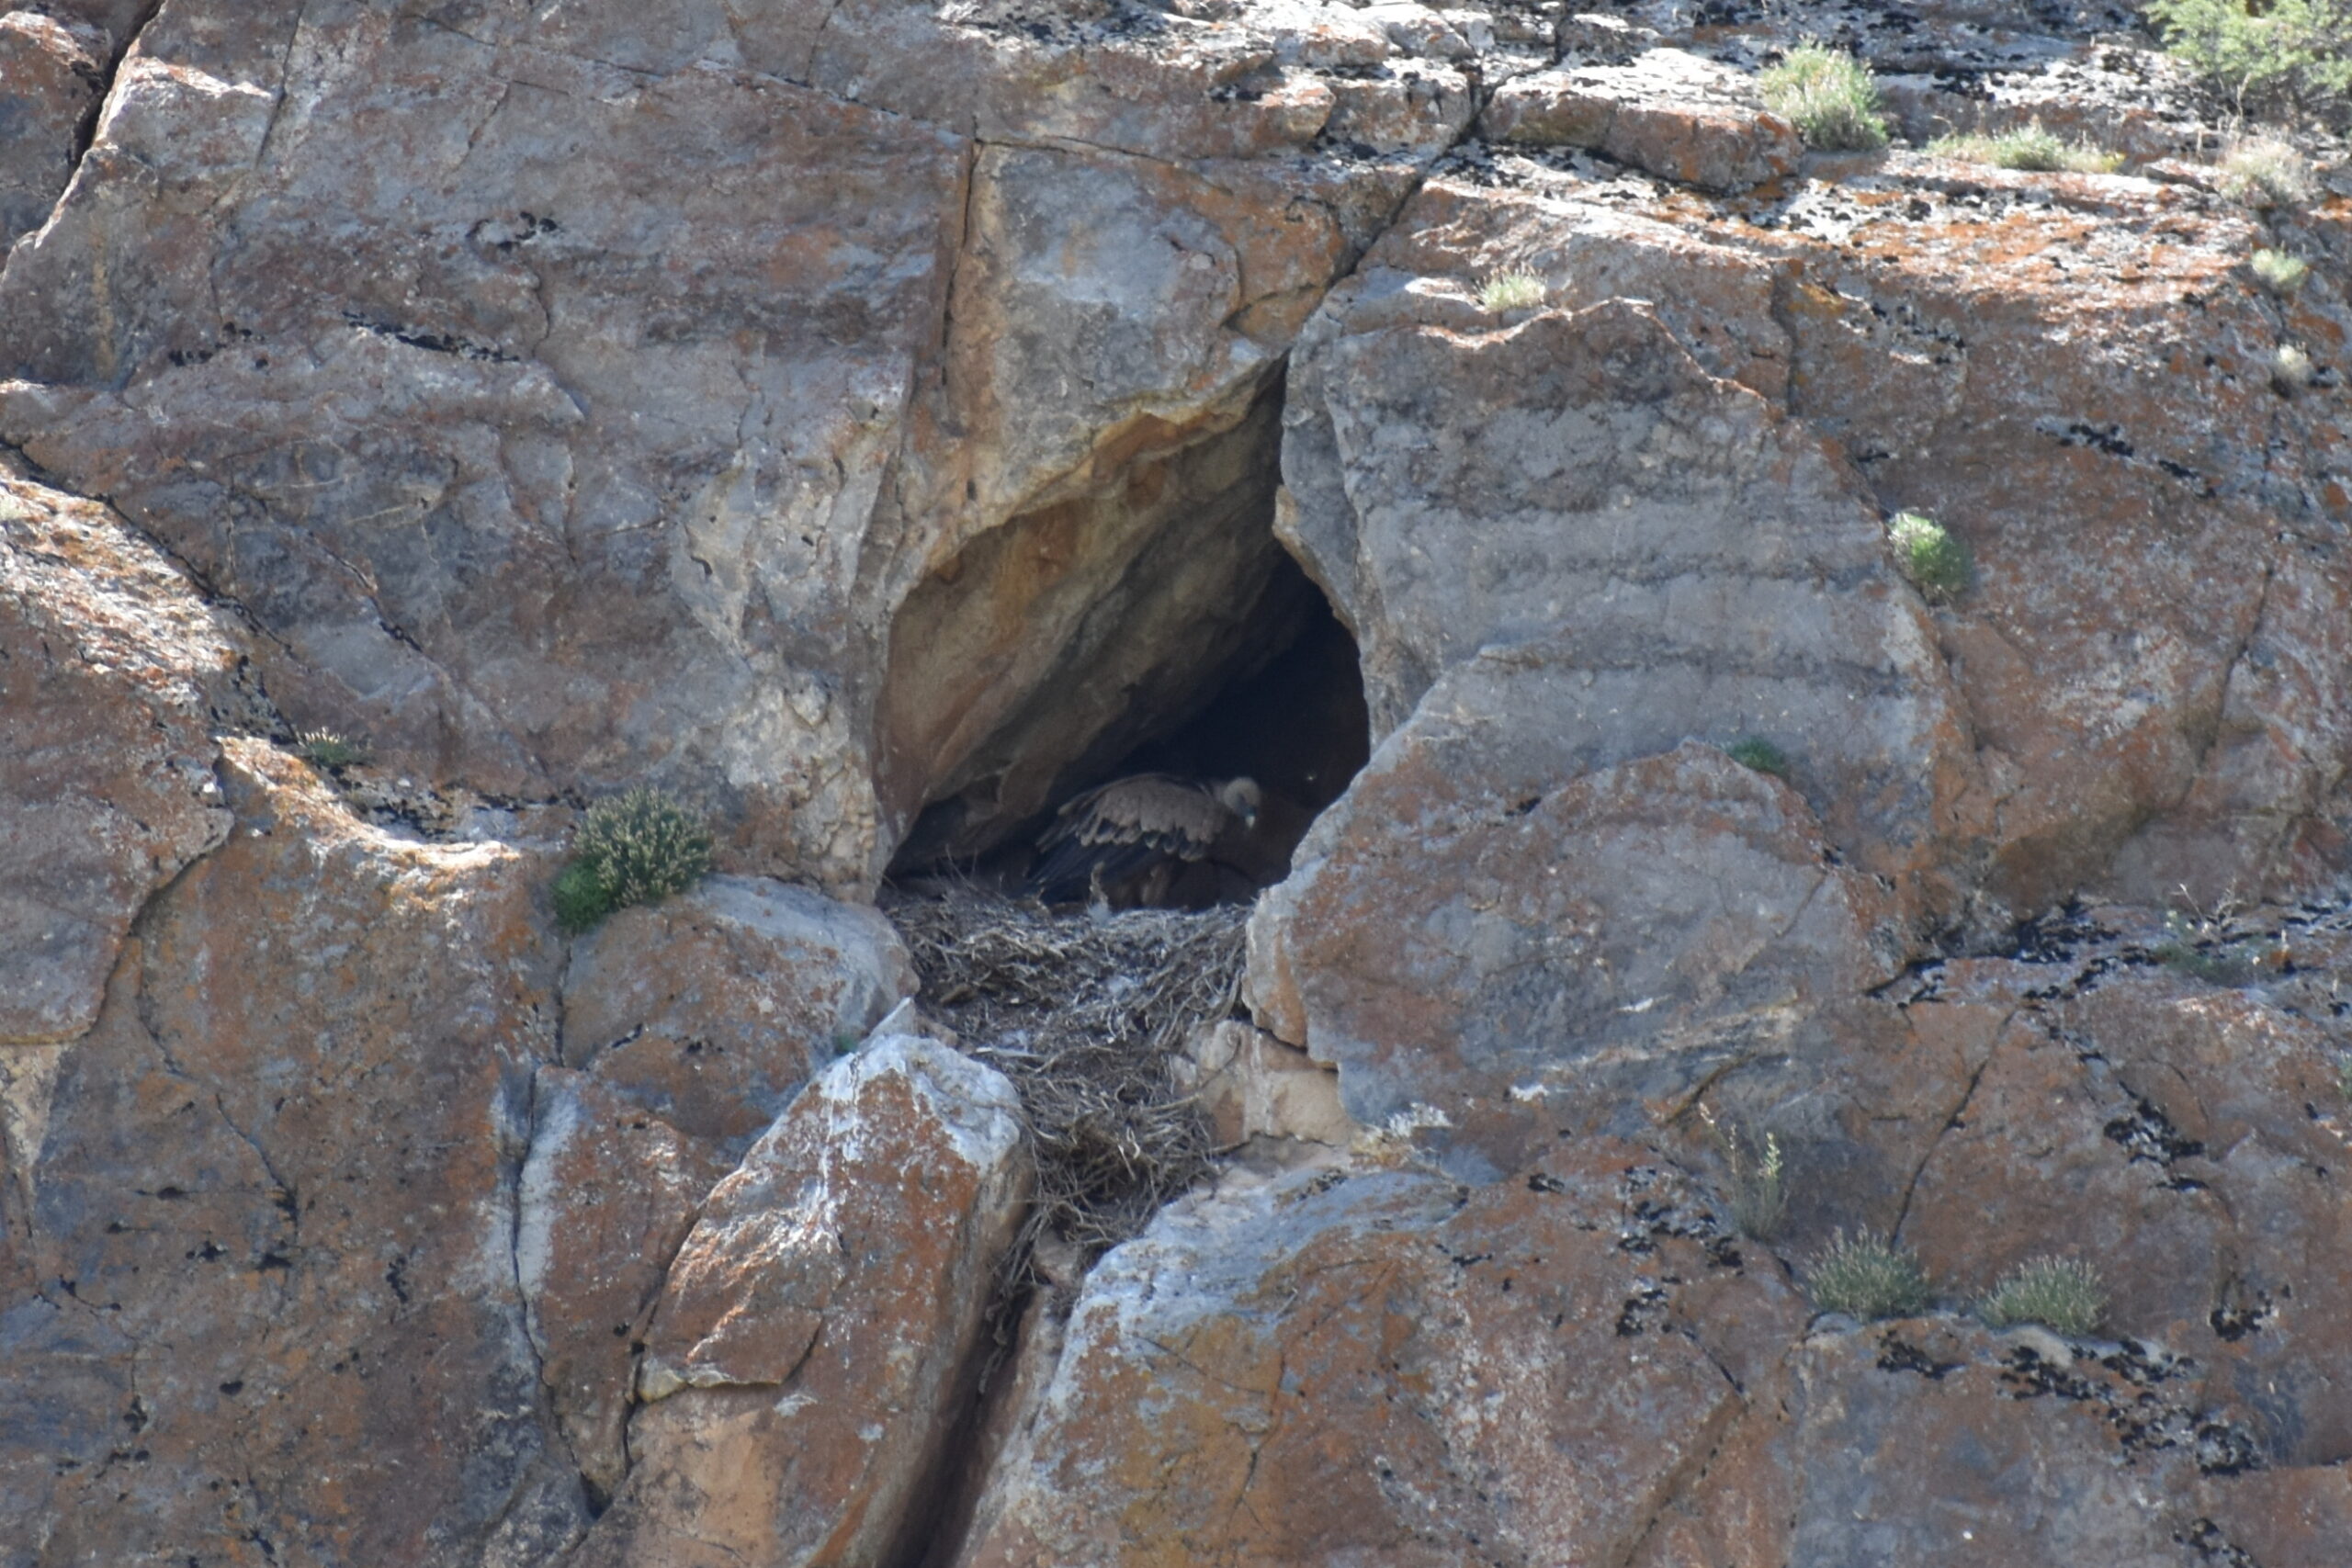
x: 121, y: 47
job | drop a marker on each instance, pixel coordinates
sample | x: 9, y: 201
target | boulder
x: 816, y: 1340
x: 689, y: 1026
x: 274, y: 1309
x: 1671, y: 113
x: 1573, y: 507
x: 710, y: 1009
x: 49, y: 76
x: 1559, y: 954
x: 112, y: 672
x: 1383, y: 1369
x: 1580, y: 565
x: 608, y: 1193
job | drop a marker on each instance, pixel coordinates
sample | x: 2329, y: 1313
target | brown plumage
x: 1124, y: 842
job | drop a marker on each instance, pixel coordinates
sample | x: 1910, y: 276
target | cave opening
x: 1154, y: 626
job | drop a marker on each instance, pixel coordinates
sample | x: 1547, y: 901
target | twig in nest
x: 1085, y: 1015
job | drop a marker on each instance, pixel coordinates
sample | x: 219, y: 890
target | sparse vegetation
x: 2280, y: 272
x: 2057, y: 1293
x: 1939, y: 565
x: 325, y: 748
x: 2198, y: 948
x: 2263, y: 171
x: 1758, y: 1197
x: 2290, y: 367
x: 2264, y: 56
x: 1516, y: 289
x: 1828, y: 95
x: 2344, y: 1076
x: 2030, y: 148
x: 1755, y: 751
x: 1867, y: 1278
x: 638, y: 848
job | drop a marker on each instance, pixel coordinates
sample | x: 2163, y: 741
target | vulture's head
x: 1242, y: 797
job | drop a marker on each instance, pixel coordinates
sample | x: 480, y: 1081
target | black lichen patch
x: 2143, y: 1420
x: 2234, y: 1320
x: 1896, y: 1354
x: 1643, y: 1312
x: 2148, y: 1135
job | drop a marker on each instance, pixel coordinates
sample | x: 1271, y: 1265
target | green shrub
x: 1939, y: 565
x: 2278, y: 54
x: 638, y: 848
x: 1867, y: 1278
x: 2278, y: 272
x: 1756, y: 752
x: 2030, y: 148
x: 2265, y: 172
x: 1759, y: 1178
x: 1517, y: 289
x: 2290, y: 367
x: 2057, y: 1293
x: 325, y: 748
x: 1828, y: 95
x: 2198, y: 949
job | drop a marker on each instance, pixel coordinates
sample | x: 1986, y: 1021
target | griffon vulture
x: 1125, y: 843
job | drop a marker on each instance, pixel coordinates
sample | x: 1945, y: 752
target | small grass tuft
x: 2281, y: 273
x: 1867, y: 1279
x: 2057, y: 1293
x: 2344, y: 1076
x: 1759, y: 1198
x: 2030, y: 148
x: 2290, y: 367
x: 1939, y: 566
x: 325, y: 748
x: 2198, y: 948
x: 2265, y: 172
x: 1755, y: 751
x: 638, y: 848
x: 1828, y: 95
x: 1516, y: 289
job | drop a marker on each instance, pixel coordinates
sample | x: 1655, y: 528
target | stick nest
x: 1086, y: 1014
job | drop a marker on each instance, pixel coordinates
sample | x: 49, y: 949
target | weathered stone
x: 2141, y: 702
x: 608, y: 1193
x: 1558, y: 950
x: 1379, y: 1371
x: 1935, y: 1443
x: 710, y: 1009
x: 1253, y: 1086
x: 48, y: 73
x: 111, y: 669
x: 275, y: 1311
x: 1660, y: 553
x: 814, y: 1342
x: 1670, y: 112
x: 598, y: 435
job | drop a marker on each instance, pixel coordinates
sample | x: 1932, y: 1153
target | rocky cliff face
x: 872, y: 420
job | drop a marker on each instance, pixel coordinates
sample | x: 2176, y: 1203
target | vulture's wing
x: 1122, y: 829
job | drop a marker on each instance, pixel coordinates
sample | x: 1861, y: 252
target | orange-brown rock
x: 608, y: 1193
x: 272, y: 1311
x: 1386, y: 1369
x: 1557, y: 950
x: 1669, y: 112
x: 689, y: 1026
x: 112, y: 674
x: 711, y: 1009
x: 813, y: 1344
